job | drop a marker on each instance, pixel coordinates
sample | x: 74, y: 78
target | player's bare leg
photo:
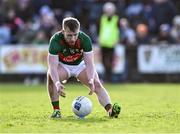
x: 52, y: 91
x: 102, y: 94
x: 100, y: 91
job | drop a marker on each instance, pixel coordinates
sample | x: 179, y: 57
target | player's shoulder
x: 57, y: 36
x: 83, y: 35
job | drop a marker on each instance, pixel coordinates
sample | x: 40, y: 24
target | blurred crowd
x: 140, y: 21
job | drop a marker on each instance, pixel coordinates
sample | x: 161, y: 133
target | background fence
x: 144, y: 63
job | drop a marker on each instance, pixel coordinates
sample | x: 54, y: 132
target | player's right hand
x: 60, y: 89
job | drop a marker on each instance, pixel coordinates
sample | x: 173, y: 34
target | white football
x: 81, y: 106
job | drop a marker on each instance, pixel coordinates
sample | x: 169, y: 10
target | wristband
x: 90, y: 81
x: 57, y: 83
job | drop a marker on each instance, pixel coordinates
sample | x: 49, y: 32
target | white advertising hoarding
x: 159, y: 59
x: 23, y: 59
x: 33, y: 59
x: 118, y: 61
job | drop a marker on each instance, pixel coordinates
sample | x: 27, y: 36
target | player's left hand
x: 91, y: 86
x: 62, y: 93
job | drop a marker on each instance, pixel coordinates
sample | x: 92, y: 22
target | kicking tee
x: 70, y: 54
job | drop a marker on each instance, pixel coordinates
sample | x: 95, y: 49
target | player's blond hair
x: 70, y: 22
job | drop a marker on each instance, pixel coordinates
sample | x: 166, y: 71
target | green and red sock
x: 55, y: 105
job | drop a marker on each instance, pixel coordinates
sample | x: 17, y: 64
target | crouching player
x: 70, y: 55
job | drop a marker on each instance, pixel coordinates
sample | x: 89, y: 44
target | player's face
x: 70, y: 36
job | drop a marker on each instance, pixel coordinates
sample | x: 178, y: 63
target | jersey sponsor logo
x: 64, y: 50
x: 72, y: 51
x: 70, y: 58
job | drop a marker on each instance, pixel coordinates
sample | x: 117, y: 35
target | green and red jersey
x: 71, y: 55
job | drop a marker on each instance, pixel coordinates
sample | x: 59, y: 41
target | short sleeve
x: 53, y: 46
x: 87, y: 43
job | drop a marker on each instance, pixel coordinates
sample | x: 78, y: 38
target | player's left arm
x: 89, y: 61
x: 88, y: 56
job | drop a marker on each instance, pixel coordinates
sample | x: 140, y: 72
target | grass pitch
x: 146, y: 108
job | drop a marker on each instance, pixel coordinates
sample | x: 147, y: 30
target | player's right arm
x: 53, y: 61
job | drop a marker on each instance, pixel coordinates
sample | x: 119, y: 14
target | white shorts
x: 73, y: 70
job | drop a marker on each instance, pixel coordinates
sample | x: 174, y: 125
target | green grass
x: 146, y: 108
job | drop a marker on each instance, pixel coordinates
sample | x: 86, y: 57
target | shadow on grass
x: 80, y: 120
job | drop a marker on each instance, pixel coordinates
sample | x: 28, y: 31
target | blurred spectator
x: 177, y: 4
x: 5, y: 34
x: 48, y: 14
x: 135, y: 13
x: 47, y: 20
x: 68, y: 14
x: 108, y: 37
x: 40, y: 38
x: 85, y: 20
x: 38, y: 4
x: 163, y: 11
x: 164, y: 36
x: 128, y: 36
x: 134, y: 8
x: 26, y: 34
x: 142, y: 34
x: 175, y: 31
x: 25, y: 10
x: 148, y: 13
x: 6, y: 5
x: 14, y: 23
x: 59, y: 8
